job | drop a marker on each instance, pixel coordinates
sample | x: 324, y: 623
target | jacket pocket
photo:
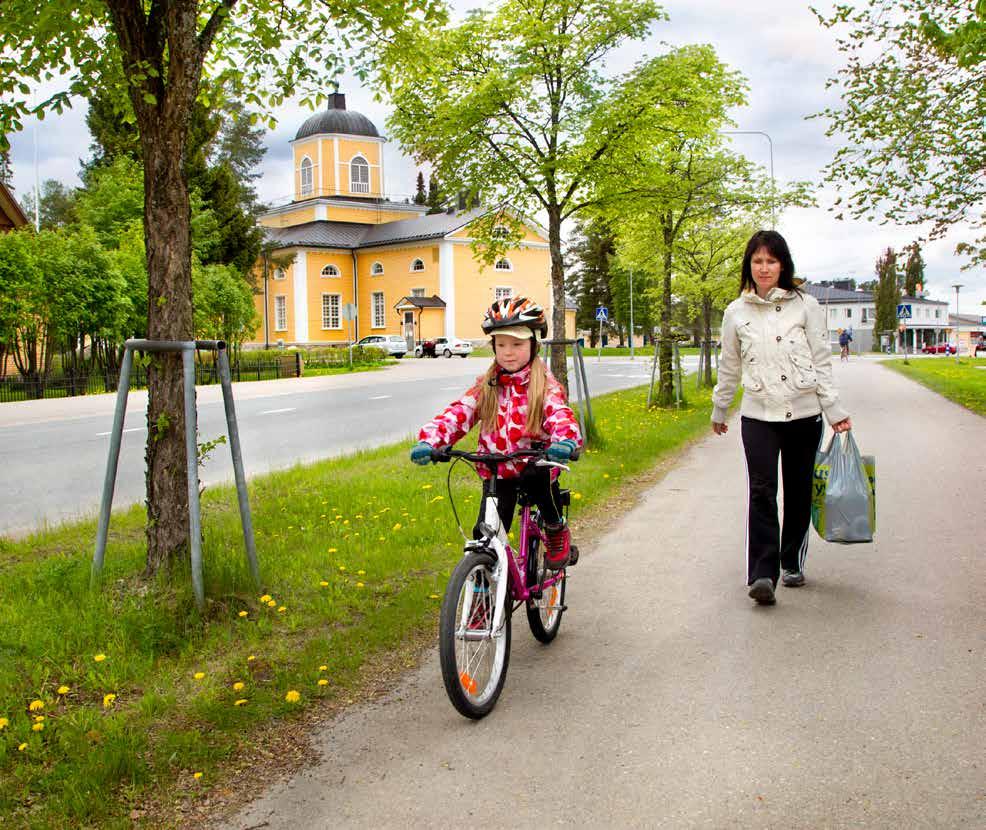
x: 752, y: 377
x: 804, y: 374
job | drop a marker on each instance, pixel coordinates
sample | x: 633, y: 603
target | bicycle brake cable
x: 451, y: 500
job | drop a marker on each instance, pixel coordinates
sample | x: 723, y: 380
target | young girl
x: 516, y: 403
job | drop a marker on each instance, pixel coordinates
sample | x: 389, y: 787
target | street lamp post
x: 957, y: 322
x: 770, y: 145
x: 631, y: 314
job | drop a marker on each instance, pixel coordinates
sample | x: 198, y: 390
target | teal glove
x: 561, y: 451
x: 421, y: 453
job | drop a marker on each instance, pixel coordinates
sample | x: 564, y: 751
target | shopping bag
x: 843, y: 503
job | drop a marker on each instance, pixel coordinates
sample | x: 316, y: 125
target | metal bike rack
x: 583, y: 409
x: 187, y: 349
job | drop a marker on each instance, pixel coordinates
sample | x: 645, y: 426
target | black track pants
x: 767, y: 548
x: 537, y: 483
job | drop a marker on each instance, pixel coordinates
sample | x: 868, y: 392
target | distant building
x: 967, y: 330
x: 11, y: 215
x: 856, y: 311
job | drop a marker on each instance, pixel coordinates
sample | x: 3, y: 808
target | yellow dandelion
x: 360, y: 573
x: 381, y: 539
x: 241, y: 702
x: 292, y: 696
x: 199, y: 675
x: 397, y: 526
x: 359, y: 585
x: 38, y: 718
x: 323, y: 682
x: 4, y: 723
x: 22, y: 747
x: 36, y: 705
x: 359, y: 515
x: 242, y: 614
x: 333, y: 550
x: 108, y: 699
x: 324, y: 584
x: 437, y: 498
x: 282, y: 609
x: 251, y: 658
x: 63, y: 690
x: 338, y: 517
x: 237, y: 686
x: 433, y: 596
x: 576, y: 496
x: 425, y: 486
x: 99, y: 658
x: 605, y: 475
x: 342, y: 567
x: 323, y: 668
x: 271, y: 604
x: 197, y: 776
x: 265, y: 598
x: 38, y: 727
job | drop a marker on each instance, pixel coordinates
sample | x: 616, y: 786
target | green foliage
x: 57, y: 207
x: 224, y: 307
x: 591, y: 253
x: 887, y: 295
x: 112, y: 199
x: 914, y: 270
x: 962, y: 381
x: 912, y: 114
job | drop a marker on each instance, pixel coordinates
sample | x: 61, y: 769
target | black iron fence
x: 69, y: 384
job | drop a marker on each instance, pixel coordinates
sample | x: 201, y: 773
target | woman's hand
x: 842, y: 426
x: 719, y: 429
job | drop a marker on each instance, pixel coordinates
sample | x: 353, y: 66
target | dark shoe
x: 573, y: 555
x: 793, y: 579
x: 762, y: 590
x: 556, y: 552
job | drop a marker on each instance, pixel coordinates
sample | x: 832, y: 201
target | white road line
x: 278, y: 411
x: 380, y: 397
x: 132, y: 429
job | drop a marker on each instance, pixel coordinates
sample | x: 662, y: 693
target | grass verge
x: 114, y: 699
x: 963, y: 382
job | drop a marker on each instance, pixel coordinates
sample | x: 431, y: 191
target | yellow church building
x: 406, y: 272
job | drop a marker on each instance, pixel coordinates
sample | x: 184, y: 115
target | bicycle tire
x: 544, y: 621
x: 460, y: 675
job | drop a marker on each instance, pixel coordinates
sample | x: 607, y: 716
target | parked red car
x: 940, y: 348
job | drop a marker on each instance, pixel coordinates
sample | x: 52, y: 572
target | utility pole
x: 957, y: 322
x: 773, y: 187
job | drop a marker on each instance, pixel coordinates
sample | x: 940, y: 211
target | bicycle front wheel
x: 474, y: 657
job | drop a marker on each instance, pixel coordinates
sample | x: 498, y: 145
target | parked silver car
x: 448, y: 346
x: 393, y: 344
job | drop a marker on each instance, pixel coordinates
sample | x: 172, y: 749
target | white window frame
x: 338, y: 312
x: 848, y: 313
x: 359, y: 162
x: 833, y: 313
x: 307, y: 188
x: 503, y: 292
x: 331, y: 270
x: 414, y: 261
x: 280, y: 271
x: 378, y: 310
x: 510, y: 265
x: 417, y: 292
x: 376, y: 270
x: 280, y: 312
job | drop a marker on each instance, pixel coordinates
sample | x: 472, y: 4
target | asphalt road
x: 670, y: 701
x: 54, y: 451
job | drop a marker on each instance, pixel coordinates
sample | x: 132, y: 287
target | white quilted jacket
x: 779, y: 347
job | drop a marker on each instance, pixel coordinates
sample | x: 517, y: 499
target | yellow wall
x: 528, y: 235
x: 274, y: 288
x: 318, y: 285
x: 474, y: 289
x: 290, y: 218
x: 369, y: 215
x: 371, y: 152
x: 397, y: 281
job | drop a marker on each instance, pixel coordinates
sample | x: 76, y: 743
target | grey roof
x: 331, y: 234
x: 825, y: 293
x: 342, y: 121
x: 433, y: 301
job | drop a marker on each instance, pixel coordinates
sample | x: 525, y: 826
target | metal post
x: 631, y: 314
x: 653, y: 370
x: 112, y: 462
x: 676, y: 368
x: 192, y: 459
x: 957, y: 321
x: 599, y: 355
x: 579, y: 391
x: 234, y: 448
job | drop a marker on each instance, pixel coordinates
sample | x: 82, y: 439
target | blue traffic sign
x: 904, y: 311
x: 602, y: 313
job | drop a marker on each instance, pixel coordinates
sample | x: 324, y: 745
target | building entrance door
x: 409, y: 330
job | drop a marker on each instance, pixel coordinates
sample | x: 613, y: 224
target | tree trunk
x: 167, y: 236
x: 665, y: 395
x: 559, y: 365
x: 707, y: 338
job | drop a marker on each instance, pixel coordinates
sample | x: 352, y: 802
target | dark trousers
x: 768, y: 549
x: 540, y: 489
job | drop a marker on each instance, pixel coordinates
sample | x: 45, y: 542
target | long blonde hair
x: 535, y: 398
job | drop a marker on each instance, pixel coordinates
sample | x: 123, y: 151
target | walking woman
x: 775, y: 339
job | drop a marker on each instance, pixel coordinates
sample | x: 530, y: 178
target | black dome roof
x: 338, y: 120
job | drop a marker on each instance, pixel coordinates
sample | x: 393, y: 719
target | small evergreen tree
x: 420, y: 196
x: 887, y: 295
x: 913, y: 270
x: 434, y: 200
x: 591, y: 253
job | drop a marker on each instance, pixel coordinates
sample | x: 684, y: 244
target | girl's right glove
x: 421, y: 453
x: 561, y: 451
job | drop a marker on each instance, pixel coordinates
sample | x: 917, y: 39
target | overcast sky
x: 778, y: 46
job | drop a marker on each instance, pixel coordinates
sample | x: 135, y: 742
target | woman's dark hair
x: 775, y: 244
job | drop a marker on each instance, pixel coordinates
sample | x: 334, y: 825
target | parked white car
x: 448, y: 346
x: 393, y: 344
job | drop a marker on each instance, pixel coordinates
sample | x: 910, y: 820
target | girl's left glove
x: 421, y: 453
x: 561, y: 451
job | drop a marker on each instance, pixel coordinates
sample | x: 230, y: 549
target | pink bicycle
x: 491, y: 582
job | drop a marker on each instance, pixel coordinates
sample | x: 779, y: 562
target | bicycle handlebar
x: 447, y: 454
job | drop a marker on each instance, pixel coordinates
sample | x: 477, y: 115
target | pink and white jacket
x: 459, y: 416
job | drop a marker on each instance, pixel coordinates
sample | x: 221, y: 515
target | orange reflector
x: 467, y: 683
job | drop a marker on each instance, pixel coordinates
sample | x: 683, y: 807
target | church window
x: 376, y: 269
x: 418, y: 265
x: 359, y: 175
x: 330, y: 271
x: 503, y: 265
x: 307, y: 178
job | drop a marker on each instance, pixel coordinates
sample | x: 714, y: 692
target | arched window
x: 279, y: 274
x: 417, y: 265
x: 330, y: 271
x: 307, y: 179
x: 503, y: 265
x: 359, y: 175
x: 376, y: 269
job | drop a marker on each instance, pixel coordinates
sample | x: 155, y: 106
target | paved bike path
x: 669, y: 700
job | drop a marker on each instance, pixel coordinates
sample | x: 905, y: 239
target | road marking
x: 278, y: 411
x: 132, y: 429
x: 379, y: 397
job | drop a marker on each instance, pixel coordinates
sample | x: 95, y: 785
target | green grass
x: 638, y: 351
x: 961, y: 382
x: 355, y: 550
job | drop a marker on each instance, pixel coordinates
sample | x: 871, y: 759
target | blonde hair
x: 536, y: 385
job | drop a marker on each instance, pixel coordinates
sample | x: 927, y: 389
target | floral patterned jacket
x: 459, y: 416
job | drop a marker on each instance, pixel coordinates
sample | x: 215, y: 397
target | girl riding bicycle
x: 517, y: 403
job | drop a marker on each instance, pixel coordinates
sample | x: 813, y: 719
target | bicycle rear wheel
x: 543, y: 611
x: 474, y: 658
